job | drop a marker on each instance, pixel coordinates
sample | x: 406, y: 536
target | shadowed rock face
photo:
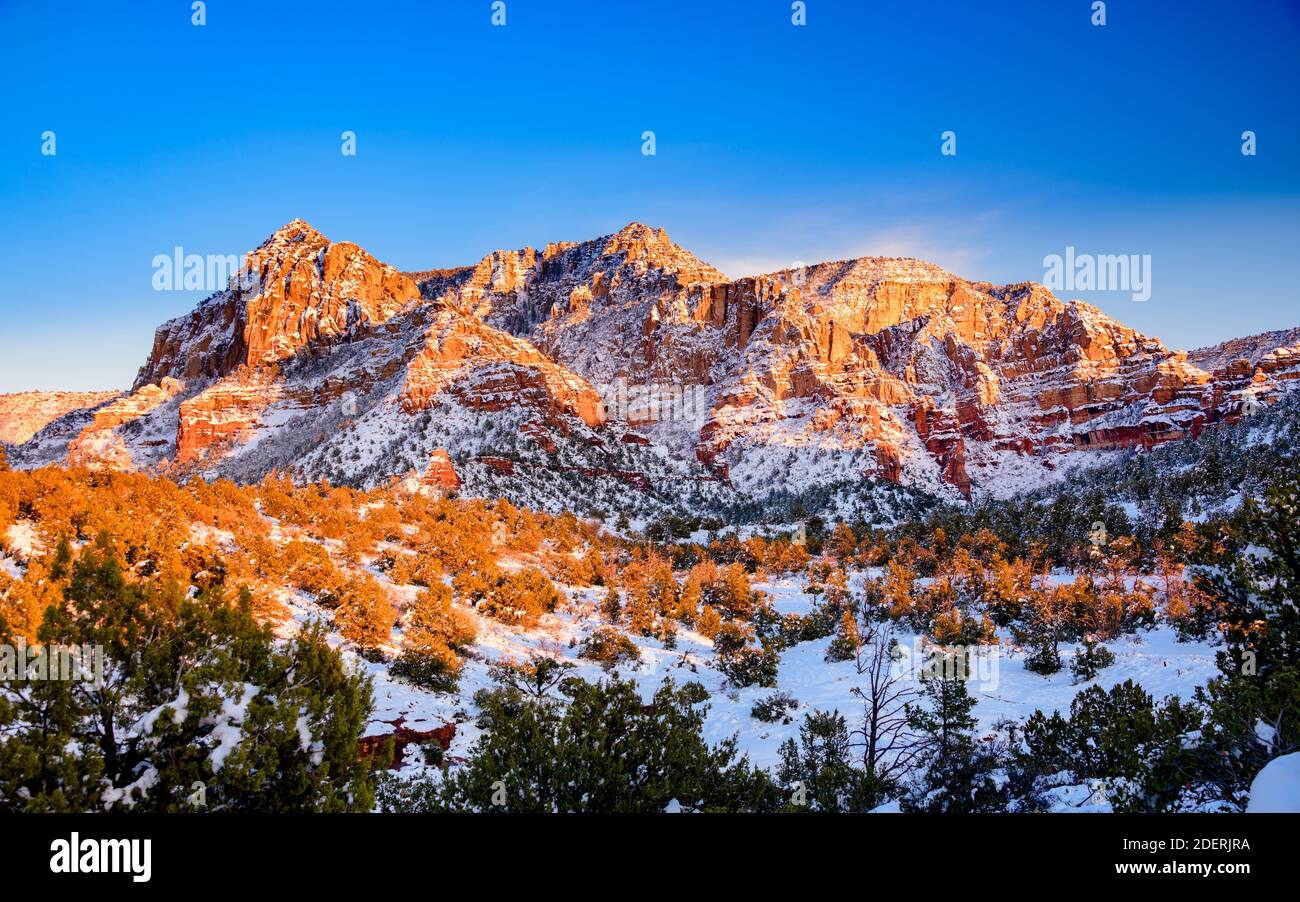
x: 938, y: 380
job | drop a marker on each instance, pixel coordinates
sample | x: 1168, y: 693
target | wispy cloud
x: 952, y: 245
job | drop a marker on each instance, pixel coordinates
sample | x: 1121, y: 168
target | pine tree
x: 611, y: 605
x: 538, y: 677
x: 817, y: 771
x: 845, y: 645
x: 956, y: 775
x: 1090, y: 660
x: 945, y: 722
x: 599, y: 748
x: 1138, y: 747
x: 897, y: 589
x: 639, y: 610
x: 1042, y: 631
x: 1253, y: 703
x: 364, y: 616
x: 1008, y: 590
x: 191, y: 689
x: 435, y: 631
x: 59, y: 566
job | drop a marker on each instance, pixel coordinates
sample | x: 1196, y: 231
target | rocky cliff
x: 24, y: 414
x: 625, y: 361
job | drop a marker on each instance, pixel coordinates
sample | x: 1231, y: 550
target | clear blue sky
x: 775, y: 143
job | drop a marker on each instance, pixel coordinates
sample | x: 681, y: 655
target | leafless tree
x: 888, y: 745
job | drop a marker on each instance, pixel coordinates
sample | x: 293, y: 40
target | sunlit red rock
x: 935, y: 379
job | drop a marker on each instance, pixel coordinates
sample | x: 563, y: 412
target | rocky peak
x: 295, y: 230
x: 884, y: 366
x: 637, y: 241
x: 652, y: 248
x: 301, y: 292
x: 596, y: 303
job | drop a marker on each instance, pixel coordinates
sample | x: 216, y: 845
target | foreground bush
x: 599, y: 747
x: 195, y: 696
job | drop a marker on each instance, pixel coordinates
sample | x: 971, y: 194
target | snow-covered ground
x: 1277, y: 787
x: 1001, y: 684
x: 10, y: 567
x: 22, y: 541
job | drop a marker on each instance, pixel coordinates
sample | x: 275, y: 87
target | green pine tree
x: 956, y: 774
x: 193, y: 690
x: 598, y: 748
x: 817, y: 771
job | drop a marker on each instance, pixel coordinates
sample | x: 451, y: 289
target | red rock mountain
x: 937, y: 379
x: 625, y: 361
x: 298, y: 292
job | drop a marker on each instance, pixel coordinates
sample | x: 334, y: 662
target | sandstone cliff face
x: 440, y: 475
x: 330, y: 363
x: 486, y: 369
x: 978, y: 371
x: 100, y: 446
x: 223, y: 414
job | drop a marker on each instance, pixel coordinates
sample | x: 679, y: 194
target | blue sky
x: 775, y: 143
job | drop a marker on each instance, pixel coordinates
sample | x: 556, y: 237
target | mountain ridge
x: 875, y: 368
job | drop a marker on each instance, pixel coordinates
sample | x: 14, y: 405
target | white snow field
x: 1002, y: 686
